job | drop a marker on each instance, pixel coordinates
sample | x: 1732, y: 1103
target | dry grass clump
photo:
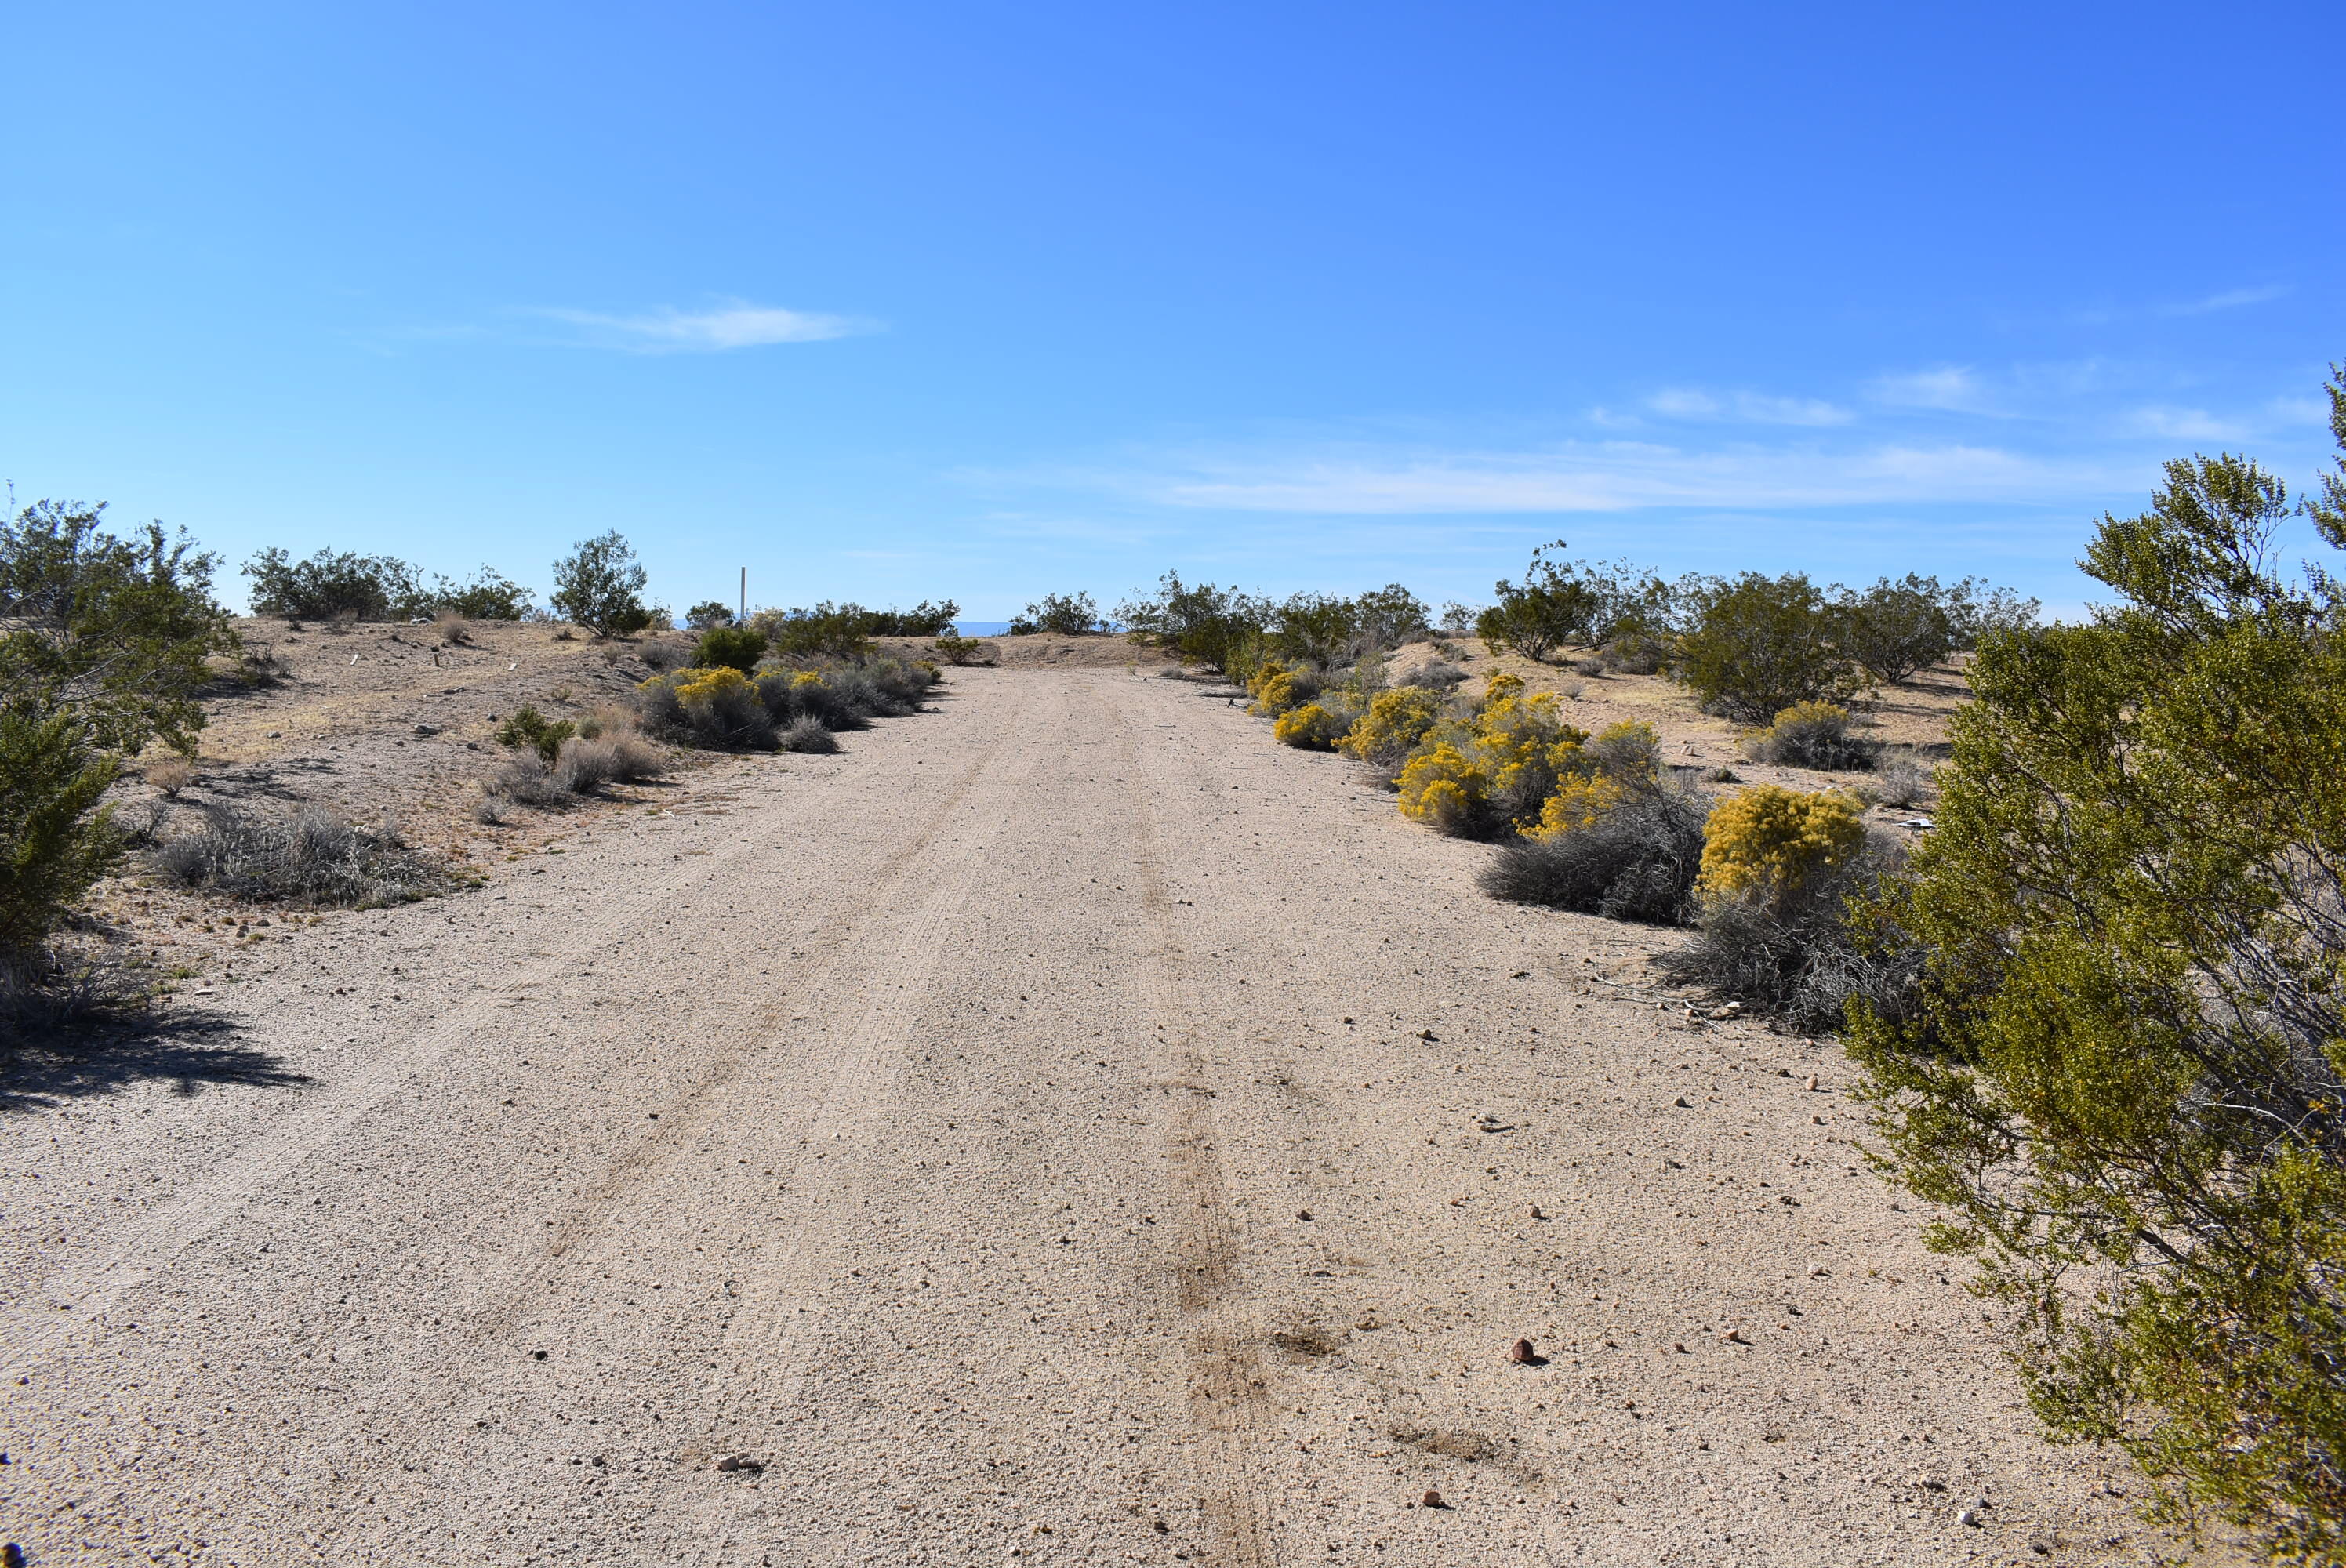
x: 169, y: 773
x: 587, y: 764
x: 806, y: 733
x: 1902, y: 778
x: 312, y: 856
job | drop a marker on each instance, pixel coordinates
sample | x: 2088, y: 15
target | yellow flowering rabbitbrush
x: 1769, y: 841
x: 1310, y: 728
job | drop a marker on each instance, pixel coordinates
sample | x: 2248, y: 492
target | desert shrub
x: 1395, y: 722
x: 1900, y: 779
x: 528, y: 727
x: 662, y: 654
x: 1756, y: 645
x: 845, y: 631
x: 1627, y: 750
x: 1977, y: 611
x: 587, y: 765
x: 169, y: 773
x: 723, y: 709
x: 1065, y: 615
x: 1436, y: 674
x: 732, y: 647
x: 958, y: 650
x: 2128, y: 1081
x: 1894, y: 629
x: 600, y: 586
x: 310, y: 856
x: 116, y: 630
x: 1310, y: 728
x: 708, y: 614
x: 1200, y: 623
x: 1277, y: 687
x: 1769, y: 842
x: 525, y: 780
x: 1634, y: 858
x: 806, y: 733
x: 1524, y: 748
x: 1561, y: 602
x: 333, y: 582
x: 488, y: 595
x: 1494, y: 771
x: 1442, y: 788
x: 1810, y: 735
x: 1633, y: 652
x: 1805, y: 953
x: 55, y: 839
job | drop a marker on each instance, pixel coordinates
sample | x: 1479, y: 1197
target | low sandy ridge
x: 1063, y: 1127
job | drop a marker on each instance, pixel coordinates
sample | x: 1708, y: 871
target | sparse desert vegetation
x: 2092, y: 997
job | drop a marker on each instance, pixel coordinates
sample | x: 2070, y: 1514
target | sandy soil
x: 1063, y: 1127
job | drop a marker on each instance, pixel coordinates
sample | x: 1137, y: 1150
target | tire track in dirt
x: 621, y: 1206
x: 765, y: 1355
x: 1223, y: 1370
x: 91, y: 1287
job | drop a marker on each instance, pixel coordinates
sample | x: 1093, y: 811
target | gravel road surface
x: 1063, y: 1127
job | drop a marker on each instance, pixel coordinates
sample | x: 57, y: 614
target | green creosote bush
x: 2127, y: 1080
x: 960, y: 650
x: 1560, y: 602
x: 830, y: 631
x: 104, y: 643
x: 708, y: 614
x: 732, y: 647
x: 529, y: 727
x: 600, y: 586
x: 1063, y: 614
x: 55, y: 839
x: 1813, y: 735
x: 1755, y: 645
x: 342, y: 584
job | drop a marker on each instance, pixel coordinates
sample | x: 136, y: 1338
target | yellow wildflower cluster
x: 1768, y: 840
x: 1394, y: 724
x: 1508, y: 757
x: 1441, y: 786
x: 1275, y: 688
x: 702, y: 685
x: 1310, y: 728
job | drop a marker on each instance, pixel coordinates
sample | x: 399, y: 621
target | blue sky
x: 892, y: 302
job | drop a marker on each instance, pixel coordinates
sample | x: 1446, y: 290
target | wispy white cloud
x: 1747, y: 407
x: 2229, y: 300
x: 2299, y: 410
x: 1955, y: 389
x: 2171, y: 424
x: 735, y: 324
x: 1599, y: 477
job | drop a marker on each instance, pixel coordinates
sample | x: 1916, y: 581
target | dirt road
x: 1063, y: 1126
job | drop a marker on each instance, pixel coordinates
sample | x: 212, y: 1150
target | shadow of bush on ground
x: 193, y: 1050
